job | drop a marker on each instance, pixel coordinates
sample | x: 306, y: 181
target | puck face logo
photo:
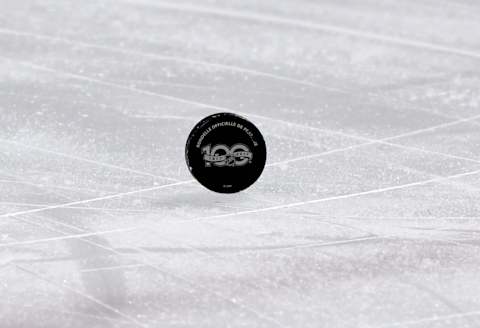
x: 226, y: 153
x: 221, y: 155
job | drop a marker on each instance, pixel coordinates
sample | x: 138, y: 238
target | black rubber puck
x: 226, y: 153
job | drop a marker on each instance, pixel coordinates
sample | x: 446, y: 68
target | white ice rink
x: 367, y: 214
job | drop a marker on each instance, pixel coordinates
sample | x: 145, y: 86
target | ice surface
x: 366, y: 215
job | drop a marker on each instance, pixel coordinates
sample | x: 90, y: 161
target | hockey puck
x: 226, y: 153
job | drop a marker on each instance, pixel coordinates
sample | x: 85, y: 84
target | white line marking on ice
x: 332, y: 198
x: 154, y: 56
x: 430, y: 319
x: 86, y: 160
x: 269, y: 18
x: 118, y: 195
x: 196, y: 103
x: 384, y: 141
x: 73, y: 236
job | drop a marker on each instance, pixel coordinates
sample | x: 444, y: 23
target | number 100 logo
x: 222, y: 155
